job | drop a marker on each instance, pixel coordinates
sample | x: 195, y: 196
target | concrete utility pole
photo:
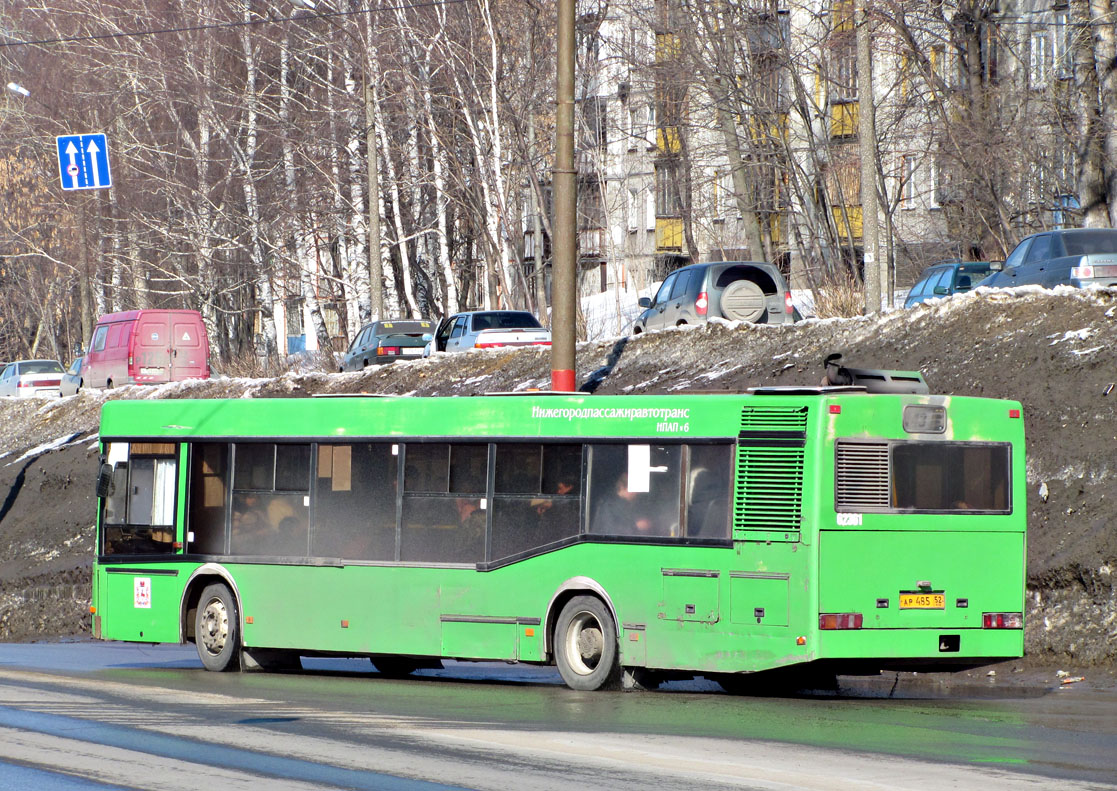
x: 375, y: 262
x: 565, y: 226
x: 867, y: 142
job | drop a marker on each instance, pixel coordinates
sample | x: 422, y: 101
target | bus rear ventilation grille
x: 862, y: 476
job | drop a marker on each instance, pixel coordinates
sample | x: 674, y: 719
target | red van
x: 147, y: 347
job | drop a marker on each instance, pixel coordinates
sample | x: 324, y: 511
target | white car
x: 27, y: 378
x: 487, y: 329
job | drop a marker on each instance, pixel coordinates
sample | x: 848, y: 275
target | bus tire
x: 217, y: 629
x: 586, y: 645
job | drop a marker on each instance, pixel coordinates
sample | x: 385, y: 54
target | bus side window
x: 536, y: 496
x: 271, y: 495
x: 355, y: 502
x: 138, y: 514
x: 634, y: 490
x: 708, y: 491
x: 444, y: 502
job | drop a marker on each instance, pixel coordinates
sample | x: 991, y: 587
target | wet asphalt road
x: 106, y: 716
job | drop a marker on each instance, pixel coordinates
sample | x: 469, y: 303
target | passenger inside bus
x: 628, y: 513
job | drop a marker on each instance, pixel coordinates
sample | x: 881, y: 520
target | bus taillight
x: 1002, y: 620
x: 840, y: 620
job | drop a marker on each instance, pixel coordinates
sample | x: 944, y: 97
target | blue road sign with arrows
x: 83, y: 162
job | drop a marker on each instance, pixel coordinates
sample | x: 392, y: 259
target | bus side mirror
x: 104, y: 480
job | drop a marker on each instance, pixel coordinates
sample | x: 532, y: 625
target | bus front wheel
x: 586, y: 645
x: 217, y: 629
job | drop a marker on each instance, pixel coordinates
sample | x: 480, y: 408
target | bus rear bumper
x: 921, y: 649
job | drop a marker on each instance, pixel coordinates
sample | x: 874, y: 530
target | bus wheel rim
x: 584, y: 643
x: 215, y: 627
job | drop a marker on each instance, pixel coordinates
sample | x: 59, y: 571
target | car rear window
x: 748, y: 271
x: 403, y: 327
x: 40, y: 367
x: 504, y: 320
x: 1089, y: 242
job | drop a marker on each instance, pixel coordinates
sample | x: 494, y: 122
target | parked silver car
x: 27, y: 378
x: 487, y: 329
x: 73, y: 379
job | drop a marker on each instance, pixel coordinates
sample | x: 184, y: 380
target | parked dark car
x: 1074, y: 257
x: 385, y: 342
x: 948, y: 277
x: 735, y: 290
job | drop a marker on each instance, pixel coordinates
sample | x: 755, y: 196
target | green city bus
x: 806, y: 530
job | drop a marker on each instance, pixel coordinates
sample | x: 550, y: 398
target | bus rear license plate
x: 151, y: 371
x: 922, y: 601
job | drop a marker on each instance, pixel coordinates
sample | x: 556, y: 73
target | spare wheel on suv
x: 743, y: 300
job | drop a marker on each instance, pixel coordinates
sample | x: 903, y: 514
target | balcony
x: 668, y: 234
x: 843, y: 119
x: 847, y: 219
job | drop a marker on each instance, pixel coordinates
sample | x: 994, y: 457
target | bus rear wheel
x: 217, y: 629
x: 586, y: 645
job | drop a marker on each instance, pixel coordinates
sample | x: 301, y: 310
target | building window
x: 1062, y: 39
x: 668, y: 202
x: 907, y: 181
x: 1039, y: 59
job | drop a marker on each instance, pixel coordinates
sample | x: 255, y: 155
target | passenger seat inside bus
x: 703, y: 508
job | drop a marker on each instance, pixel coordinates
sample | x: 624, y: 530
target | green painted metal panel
x: 858, y: 569
x: 140, y: 604
x: 759, y: 598
x: 690, y: 595
x: 480, y: 640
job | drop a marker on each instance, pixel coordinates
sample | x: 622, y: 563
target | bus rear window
x: 950, y: 477
x: 922, y: 476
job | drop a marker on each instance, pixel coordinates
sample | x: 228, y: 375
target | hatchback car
x: 72, y: 380
x: 1074, y: 257
x: 28, y: 378
x: 735, y: 290
x: 948, y: 277
x: 385, y: 342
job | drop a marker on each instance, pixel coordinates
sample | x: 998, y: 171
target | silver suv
x: 734, y: 290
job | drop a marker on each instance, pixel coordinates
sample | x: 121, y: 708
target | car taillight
x: 22, y: 383
x: 1083, y: 272
x: 480, y: 345
x: 388, y: 350
x: 1002, y: 620
x: 787, y: 304
x: 701, y: 304
x: 840, y: 620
